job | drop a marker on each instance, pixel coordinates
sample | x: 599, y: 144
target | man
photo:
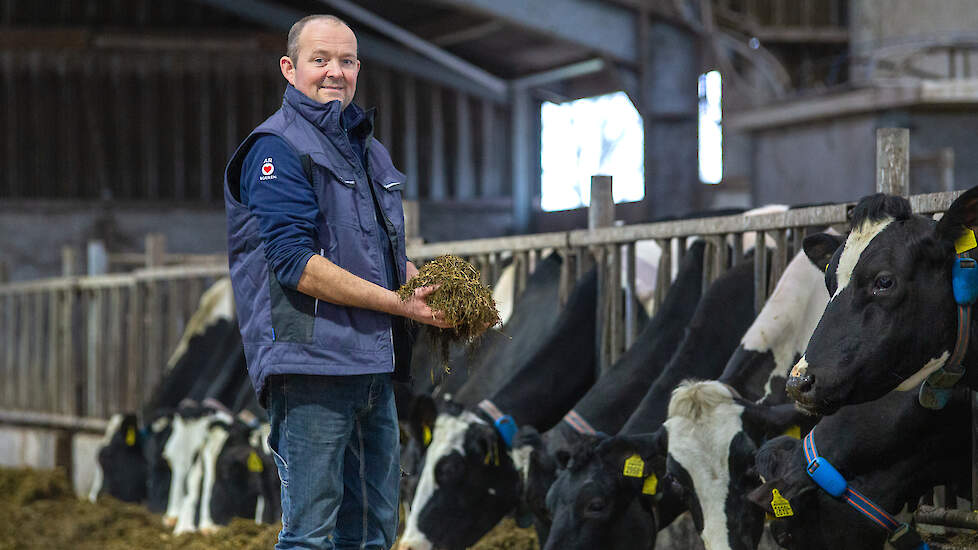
x: 316, y: 245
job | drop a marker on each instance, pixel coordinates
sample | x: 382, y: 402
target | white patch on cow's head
x: 800, y: 368
x: 703, y: 420
x: 448, y: 436
x: 789, y: 316
x: 521, y: 461
x: 215, y: 304
x: 924, y: 372
x: 856, y: 243
x: 185, y: 440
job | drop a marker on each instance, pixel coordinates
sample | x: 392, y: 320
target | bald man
x: 316, y: 248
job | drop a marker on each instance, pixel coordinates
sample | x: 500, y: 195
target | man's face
x: 326, y: 67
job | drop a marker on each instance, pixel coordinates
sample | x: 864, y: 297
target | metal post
x: 601, y: 213
x: 98, y: 259
x: 893, y: 161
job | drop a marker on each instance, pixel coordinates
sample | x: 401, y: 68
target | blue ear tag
x: 964, y: 279
x: 827, y: 477
x: 506, y: 427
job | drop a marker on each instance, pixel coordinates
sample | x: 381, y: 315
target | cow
x: 123, y: 475
x: 715, y: 427
x: 892, y: 317
x: 891, y: 450
x: 469, y: 479
x: 607, y: 405
x: 476, y: 374
x: 591, y: 503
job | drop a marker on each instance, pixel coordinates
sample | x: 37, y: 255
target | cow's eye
x: 882, y: 283
x: 596, y: 505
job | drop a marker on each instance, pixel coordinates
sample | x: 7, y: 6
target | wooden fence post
x: 69, y: 261
x: 893, y: 161
x: 155, y: 249
x: 412, y: 224
x: 601, y: 213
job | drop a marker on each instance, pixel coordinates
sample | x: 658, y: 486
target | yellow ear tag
x: 965, y: 242
x: 780, y: 505
x: 794, y: 431
x: 131, y: 436
x: 634, y: 466
x: 427, y: 436
x: 650, y: 485
x: 254, y: 463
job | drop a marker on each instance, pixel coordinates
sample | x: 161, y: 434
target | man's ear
x: 961, y: 216
x: 288, y: 68
x: 820, y: 247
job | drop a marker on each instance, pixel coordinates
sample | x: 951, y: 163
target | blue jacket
x: 283, y: 330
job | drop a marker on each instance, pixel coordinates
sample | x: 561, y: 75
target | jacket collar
x: 328, y: 117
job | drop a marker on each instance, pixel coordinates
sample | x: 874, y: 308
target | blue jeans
x: 336, y: 444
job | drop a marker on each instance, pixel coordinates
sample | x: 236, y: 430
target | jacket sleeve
x: 275, y: 189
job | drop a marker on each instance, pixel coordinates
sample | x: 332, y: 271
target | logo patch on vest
x: 267, y: 170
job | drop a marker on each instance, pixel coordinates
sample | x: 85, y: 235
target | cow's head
x: 158, y: 431
x: 239, y: 476
x: 468, y: 483
x: 538, y: 470
x: 712, y: 434
x: 891, y: 319
x: 803, y: 516
x: 121, y: 460
x: 593, y: 504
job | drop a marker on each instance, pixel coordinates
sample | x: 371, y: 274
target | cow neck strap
x: 935, y: 392
x: 577, y: 422
x: 902, y: 535
x: 504, y: 423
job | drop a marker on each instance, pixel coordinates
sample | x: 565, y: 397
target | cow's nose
x: 799, y: 386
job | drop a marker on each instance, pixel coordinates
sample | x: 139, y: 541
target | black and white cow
x: 591, y: 503
x: 469, y: 480
x: 714, y: 427
x: 120, y: 469
x: 485, y: 369
x: 892, y: 450
x: 608, y: 404
x: 892, y: 318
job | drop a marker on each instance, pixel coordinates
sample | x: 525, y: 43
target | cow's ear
x: 960, y: 217
x: 422, y: 419
x: 650, y: 447
x: 820, y: 247
x: 762, y: 496
x: 775, y: 419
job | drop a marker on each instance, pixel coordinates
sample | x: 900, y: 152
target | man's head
x: 321, y: 61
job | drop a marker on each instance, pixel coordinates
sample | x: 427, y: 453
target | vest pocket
x: 292, y: 312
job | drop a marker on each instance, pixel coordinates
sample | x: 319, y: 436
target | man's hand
x: 415, y: 308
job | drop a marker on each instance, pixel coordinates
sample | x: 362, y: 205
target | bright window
x: 711, y: 134
x: 595, y: 135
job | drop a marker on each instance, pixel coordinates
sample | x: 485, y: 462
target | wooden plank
x: 664, y: 279
x: 23, y: 347
x: 115, y: 359
x: 779, y: 257
x: 616, y: 326
x: 436, y: 178
x: 567, y: 275
x: 70, y: 363
x: 522, y: 270
x: 205, y: 73
x: 94, y: 357
x: 54, y: 345
x: 631, y: 309
x: 760, y: 272
x: 602, y: 320
x: 720, y: 252
x: 9, y: 352
x: 11, y: 114
x: 385, y: 103
x: 149, y: 119
x: 53, y: 421
x: 893, y: 161
x: 135, y: 343
x: 176, y: 315
x: 478, y: 246
x: 153, y: 331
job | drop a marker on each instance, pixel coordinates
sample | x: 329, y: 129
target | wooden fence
x: 88, y: 347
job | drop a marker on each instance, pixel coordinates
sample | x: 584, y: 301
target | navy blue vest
x: 283, y: 330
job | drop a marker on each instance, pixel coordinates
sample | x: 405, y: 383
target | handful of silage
x: 461, y: 296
